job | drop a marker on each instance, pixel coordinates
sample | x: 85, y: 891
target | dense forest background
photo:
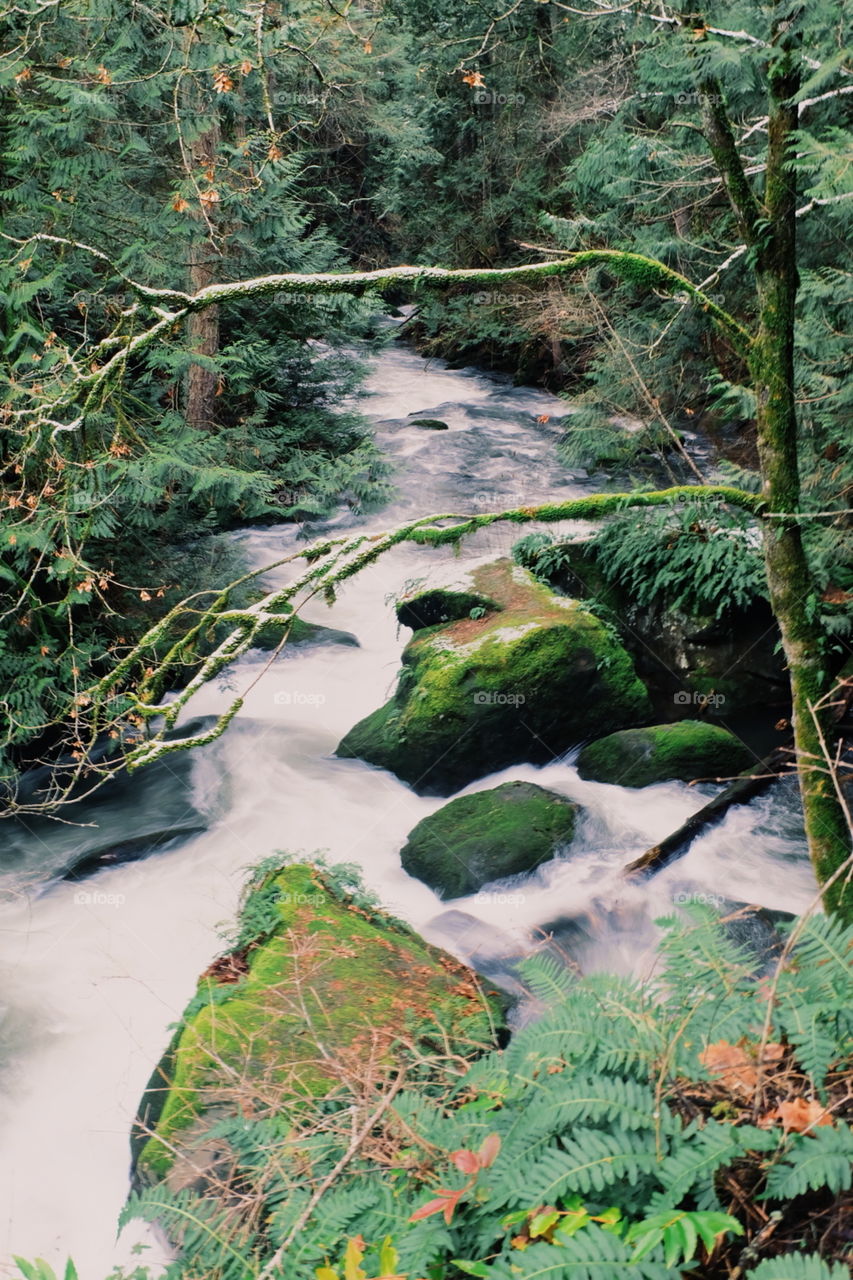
x: 200, y: 142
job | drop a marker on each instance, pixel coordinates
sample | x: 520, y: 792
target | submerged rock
x: 429, y: 424
x: 528, y: 676
x: 320, y: 987
x: 513, y: 828
x: 685, y: 750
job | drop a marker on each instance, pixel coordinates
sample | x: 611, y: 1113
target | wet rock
x: 686, y: 750
x: 510, y: 829
x: 730, y: 665
x: 429, y: 424
x: 300, y: 633
x: 259, y: 1023
x: 522, y: 681
x: 132, y: 850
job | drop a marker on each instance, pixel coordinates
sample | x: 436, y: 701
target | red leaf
x: 438, y: 1205
x: 489, y: 1150
x: 466, y: 1161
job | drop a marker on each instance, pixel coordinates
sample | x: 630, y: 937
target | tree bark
x: 202, y: 326
x: 792, y: 595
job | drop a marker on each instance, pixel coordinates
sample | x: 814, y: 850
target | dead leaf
x: 222, y: 82
x: 729, y: 1064
x: 799, y: 1114
x: 475, y: 80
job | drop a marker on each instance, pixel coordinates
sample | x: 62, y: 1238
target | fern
x: 821, y: 1158
x: 799, y: 1266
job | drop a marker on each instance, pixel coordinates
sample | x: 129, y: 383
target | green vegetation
x: 480, y: 693
x: 488, y: 835
x: 316, y: 976
x: 630, y: 1130
x: 687, y: 750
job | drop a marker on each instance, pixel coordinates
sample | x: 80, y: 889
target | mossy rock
x: 524, y: 682
x: 322, y: 982
x: 686, y: 750
x: 510, y: 829
x: 429, y: 424
x: 270, y: 635
x: 433, y: 606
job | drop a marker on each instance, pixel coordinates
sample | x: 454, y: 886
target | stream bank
x: 93, y: 974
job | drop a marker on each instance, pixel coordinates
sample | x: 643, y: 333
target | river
x: 93, y: 973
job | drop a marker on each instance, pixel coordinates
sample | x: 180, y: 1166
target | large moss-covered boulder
x: 685, y: 750
x: 523, y: 677
x: 487, y: 836
x: 316, y: 986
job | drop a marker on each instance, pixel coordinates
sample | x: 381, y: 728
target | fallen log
x: 746, y: 785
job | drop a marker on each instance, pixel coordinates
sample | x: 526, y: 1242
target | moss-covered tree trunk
x: 772, y: 367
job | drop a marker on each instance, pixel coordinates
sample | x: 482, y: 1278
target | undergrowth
x: 694, y: 1124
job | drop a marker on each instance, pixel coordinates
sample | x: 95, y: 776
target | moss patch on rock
x: 686, y: 750
x: 525, y: 681
x: 322, y: 986
x: 510, y: 829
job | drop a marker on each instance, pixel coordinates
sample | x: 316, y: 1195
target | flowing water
x: 92, y: 973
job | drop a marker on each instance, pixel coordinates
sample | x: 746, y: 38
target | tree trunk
x: 202, y: 326
x: 791, y: 591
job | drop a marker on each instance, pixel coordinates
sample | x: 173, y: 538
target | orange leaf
x: 475, y: 80
x: 222, y: 82
x: 245, y: 67
x: 730, y: 1065
x: 798, y: 1114
x: 209, y: 198
x: 103, y: 76
x: 179, y: 204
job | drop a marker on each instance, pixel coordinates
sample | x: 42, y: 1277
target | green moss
x: 510, y: 829
x: 522, y: 683
x: 333, y: 979
x: 686, y: 750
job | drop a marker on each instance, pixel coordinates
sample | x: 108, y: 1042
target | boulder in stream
x: 510, y: 829
x: 685, y: 750
x: 521, y: 676
x: 318, y: 985
x: 299, y: 632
